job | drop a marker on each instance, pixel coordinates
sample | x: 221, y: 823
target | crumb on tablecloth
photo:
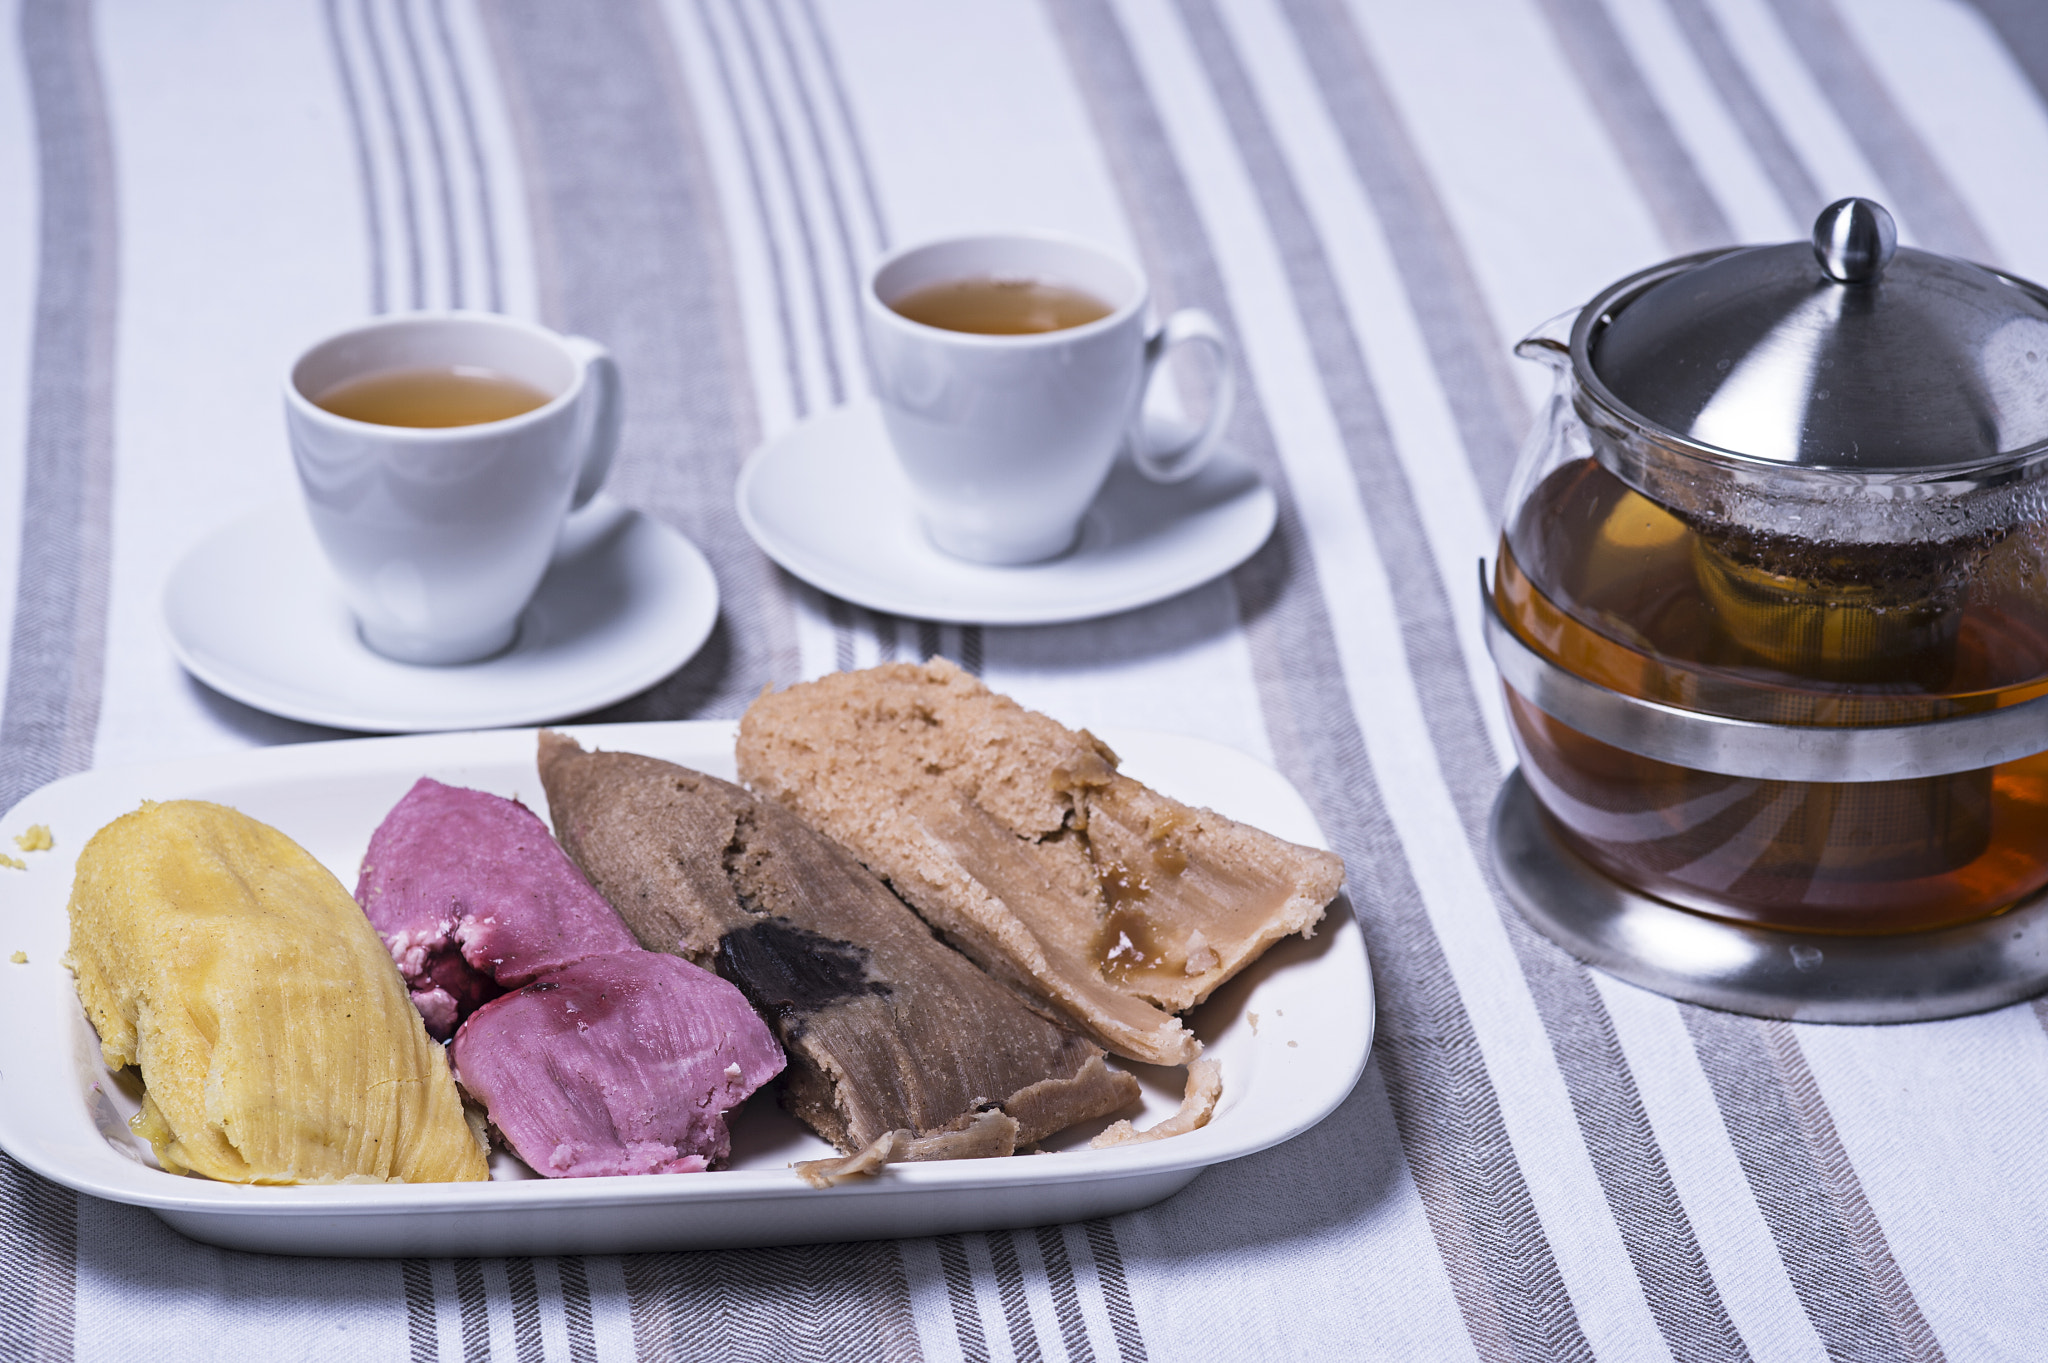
x: 35, y: 839
x: 16, y: 862
x: 19, y: 958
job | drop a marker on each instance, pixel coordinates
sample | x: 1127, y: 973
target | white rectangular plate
x: 62, y: 1113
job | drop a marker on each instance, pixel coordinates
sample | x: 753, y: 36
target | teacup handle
x: 1163, y: 450
x: 601, y: 373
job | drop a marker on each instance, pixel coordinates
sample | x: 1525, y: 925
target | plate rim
x: 139, y: 1185
x: 798, y: 561
x: 698, y: 585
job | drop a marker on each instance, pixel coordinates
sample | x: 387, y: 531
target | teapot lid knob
x: 1854, y: 239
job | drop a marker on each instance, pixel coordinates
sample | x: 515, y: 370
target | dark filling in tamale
x: 786, y: 971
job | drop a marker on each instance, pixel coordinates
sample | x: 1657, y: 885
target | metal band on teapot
x: 1750, y: 748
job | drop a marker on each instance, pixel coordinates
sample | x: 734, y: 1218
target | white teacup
x: 440, y: 534
x: 1006, y: 439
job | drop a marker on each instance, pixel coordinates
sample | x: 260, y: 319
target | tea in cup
x: 1011, y: 369
x: 440, y: 454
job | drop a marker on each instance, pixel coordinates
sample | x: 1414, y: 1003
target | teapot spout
x: 1550, y: 343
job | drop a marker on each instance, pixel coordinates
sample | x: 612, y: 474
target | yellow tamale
x: 274, y: 1036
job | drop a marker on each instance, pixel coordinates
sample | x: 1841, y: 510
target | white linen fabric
x: 1375, y: 199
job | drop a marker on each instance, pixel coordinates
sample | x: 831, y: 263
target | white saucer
x: 828, y: 501
x: 254, y: 612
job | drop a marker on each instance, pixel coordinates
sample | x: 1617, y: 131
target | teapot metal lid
x: 1850, y: 355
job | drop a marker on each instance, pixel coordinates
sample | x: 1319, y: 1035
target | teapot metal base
x: 1803, y: 977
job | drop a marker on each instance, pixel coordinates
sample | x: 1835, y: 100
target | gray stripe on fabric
x: 373, y: 222
x: 576, y: 1309
x: 929, y: 645
x: 1927, y: 202
x: 828, y: 169
x: 638, y: 260
x: 475, y: 1309
x: 785, y: 156
x: 1686, y: 210
x: 421, y: 1330
x: 1066, y: 1302
x: 830, y: 62
x: 1774, y: 151
x: 479, y: 169
x: 799, y: 396
x: 38, y: 1259
x: 971, y: 648
x: 437, y: 151
x: 841, y: 617
x: 837, y: 611
x: 401, y: 155
x: 1661, y: 1244
x: 1116, y: 1293
x: 885, y: 635
x: 1466, y: 348
x: 883, y: 626
x: 57, y: 649
x: 1501, y: 1268
x: 799, y: 1304
x: 1868, y: 1235
x: 2040, y: 1007
x: 1840, y: 1266
x: 1002, y: 1256
x: 828, y: 173
x: 527, y: 1344
x: 2022, y: 25
x: 960, y: 1297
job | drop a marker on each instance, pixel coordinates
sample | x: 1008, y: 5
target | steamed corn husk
x: 274, y: 1036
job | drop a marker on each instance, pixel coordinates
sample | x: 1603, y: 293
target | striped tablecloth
x: 1376, y: 197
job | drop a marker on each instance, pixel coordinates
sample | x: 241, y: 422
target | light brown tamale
x: 1018, y: 839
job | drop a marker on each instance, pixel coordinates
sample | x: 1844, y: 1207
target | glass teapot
x: 1771, y: 605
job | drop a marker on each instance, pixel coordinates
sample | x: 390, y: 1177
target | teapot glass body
x: 1726, y: 589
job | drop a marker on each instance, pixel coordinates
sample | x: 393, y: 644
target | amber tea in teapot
x: 1724, y: 621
